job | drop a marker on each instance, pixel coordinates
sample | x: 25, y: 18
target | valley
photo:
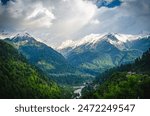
x: 76, y: 69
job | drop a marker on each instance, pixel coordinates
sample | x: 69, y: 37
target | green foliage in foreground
x: 125, y: 82
x: 124, y: 86
x: 18, y: 79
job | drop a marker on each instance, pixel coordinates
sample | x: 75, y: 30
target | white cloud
x: 32, y: 14
x: 40, y: 17
x: 131, y: 17
x: 54, y: 21
x: 72, y: 16
x: 95, y: 21
x: 48, y: 19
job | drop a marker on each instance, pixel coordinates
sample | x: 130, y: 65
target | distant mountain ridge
x: 96, y: 53
x: 95, y: 38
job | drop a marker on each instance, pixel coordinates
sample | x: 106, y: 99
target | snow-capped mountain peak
x: 66, y: 44
x: 121, y: 37
x: 23, y: 37
x: 93, y: 39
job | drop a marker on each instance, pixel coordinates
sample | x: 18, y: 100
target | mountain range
x: 30, y: 68
x: 74, y: 62
x: 52, y: 63
x: 96, y: 53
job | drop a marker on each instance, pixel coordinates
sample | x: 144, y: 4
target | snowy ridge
x: 5, y: 35
x: 66, y: 44
x: 93, y: 38
x: 22, y: 39
x: 22, y: 36
x: 113, y: 38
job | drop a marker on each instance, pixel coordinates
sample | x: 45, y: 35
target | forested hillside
x: 18, y: 79
x: 127, y: 81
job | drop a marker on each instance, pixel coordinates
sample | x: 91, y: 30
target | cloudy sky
x: 54, y: 21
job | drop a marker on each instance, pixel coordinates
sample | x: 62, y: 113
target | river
x: 78, y: 90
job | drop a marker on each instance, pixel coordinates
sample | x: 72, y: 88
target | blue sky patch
x: 4, y: 1
x: 105, y: 3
